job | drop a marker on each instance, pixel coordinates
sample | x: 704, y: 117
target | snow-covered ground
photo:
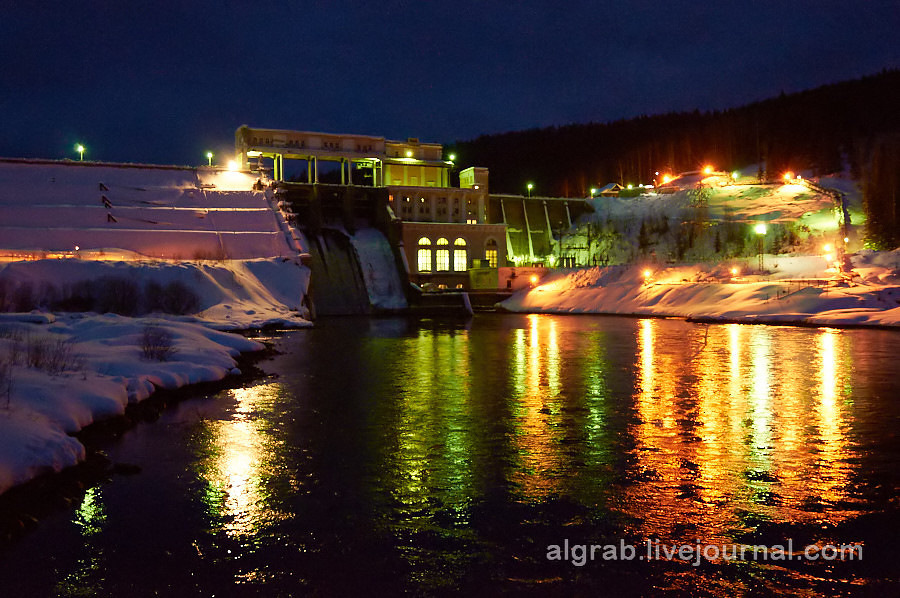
x: 799, y: 290
x: 154, y: 211
x: 716, y: 218
x: 59, y: 372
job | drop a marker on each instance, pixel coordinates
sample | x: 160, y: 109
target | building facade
x: 445, y: 230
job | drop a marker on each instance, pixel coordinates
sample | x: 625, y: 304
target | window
x: 460, y: 258
x: 424, y: 255
x: 442, y: 255
x: 490, y: 253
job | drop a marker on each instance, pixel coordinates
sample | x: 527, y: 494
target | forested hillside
x: 853, y: 124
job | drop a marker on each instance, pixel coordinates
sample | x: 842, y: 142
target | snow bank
x: 710, y: 292
x: 94, y: 366
x: 233, y: 294
x: 101, y: 371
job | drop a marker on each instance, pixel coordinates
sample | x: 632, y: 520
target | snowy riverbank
x: 799, y: 290
x: 60, y: 372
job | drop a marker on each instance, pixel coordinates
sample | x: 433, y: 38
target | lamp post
x: 80, y: 149
x: 209, y: 157
x: 760, y: 230
x: 530, y: 186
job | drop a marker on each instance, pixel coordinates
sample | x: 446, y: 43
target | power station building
x: 446, y: 231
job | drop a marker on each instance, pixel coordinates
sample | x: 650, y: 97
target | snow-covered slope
x: 165, y: 212
x: 790, y: 295
x: 716, y: 220
x: 232, y: 294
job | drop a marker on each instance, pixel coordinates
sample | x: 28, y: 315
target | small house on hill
x: 610, y: 190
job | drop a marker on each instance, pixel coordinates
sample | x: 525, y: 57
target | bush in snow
x: 6, y: 377
x: 78, y: 296
x: 178, y: 298
x: 109, y: 294
x: 152, y: 295
x: 174, y: 298
x: 53, y: 356
x: 22, y: 297
x: 117, y: 295
x: 157, y: 343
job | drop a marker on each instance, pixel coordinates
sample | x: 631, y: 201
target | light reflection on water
x: 240, y: 457
x: 729, y: 425
x: 720, y: 428
x: 425, y: 458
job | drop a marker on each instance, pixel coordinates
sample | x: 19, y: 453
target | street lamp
x: 209, y: 156
x: 760, y: 230
x: 593, y: 192
x: 530, y: 187
x: 80, y: 149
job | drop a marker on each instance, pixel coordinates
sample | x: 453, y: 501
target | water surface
x: 389, y: 456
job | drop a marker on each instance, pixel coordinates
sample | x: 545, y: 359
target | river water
x: 393, y: 456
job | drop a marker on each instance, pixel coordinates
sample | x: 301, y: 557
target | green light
x: 80, y: 149
x: 530, y: 187
x: 630, y: 186
x: 209, y: 157
x: 760, y: 229
x: 452, y: 157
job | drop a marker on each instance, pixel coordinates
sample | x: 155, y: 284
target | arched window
x: 460, y: 258
x: 442, y: 255
x: 424, y: 255
x: 490, y: 253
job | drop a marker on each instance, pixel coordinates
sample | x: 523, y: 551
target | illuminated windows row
x: 437, y: 258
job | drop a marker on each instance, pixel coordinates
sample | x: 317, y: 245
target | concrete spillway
x: 336, y: 286
x: 356, y: 267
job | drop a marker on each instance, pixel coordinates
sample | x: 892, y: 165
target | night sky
x: 164, y: 82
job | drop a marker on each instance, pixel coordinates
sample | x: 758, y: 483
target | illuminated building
x: 445, y: 230
x: 451, y: 236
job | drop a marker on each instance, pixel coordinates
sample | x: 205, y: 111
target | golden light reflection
x: 760, y: 413
x: 536, y: 390
x: 240, y: 461
x: 725, y: 422
x: 647, y: 365
x: 829, y: 411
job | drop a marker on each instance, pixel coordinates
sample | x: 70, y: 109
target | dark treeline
x: 881, y: 192
x: 850, y: 124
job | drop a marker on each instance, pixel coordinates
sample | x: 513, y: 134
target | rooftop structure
x: 361, y: 159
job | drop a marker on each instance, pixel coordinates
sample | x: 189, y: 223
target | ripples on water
x: 389, y: 457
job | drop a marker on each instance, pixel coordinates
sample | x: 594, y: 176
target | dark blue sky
x: 163, y: 82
